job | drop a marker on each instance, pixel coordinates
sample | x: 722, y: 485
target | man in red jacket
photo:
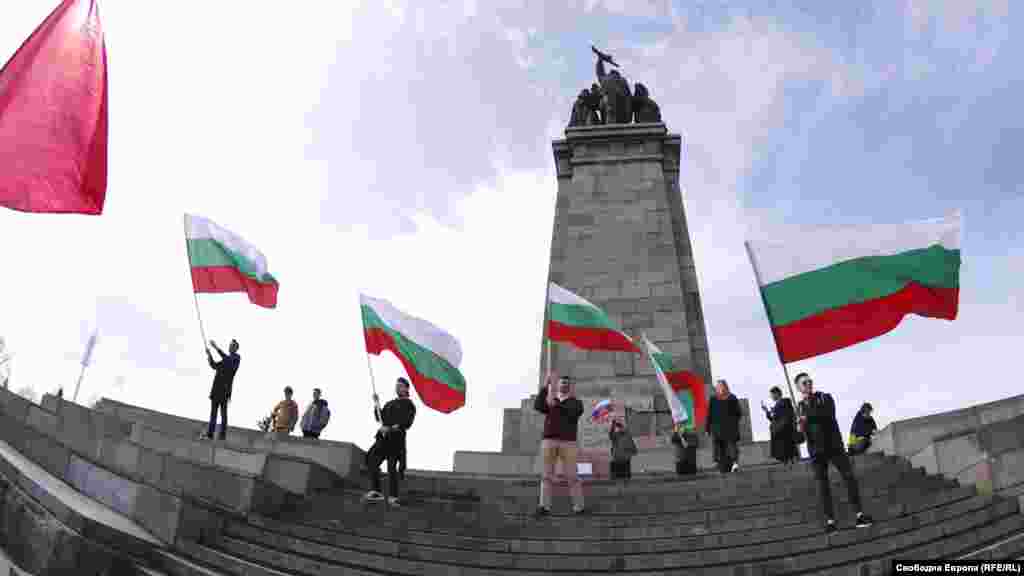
x: 562, y: 411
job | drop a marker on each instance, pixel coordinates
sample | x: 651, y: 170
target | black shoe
x: 541, y: 512
x: 830, y: 526
x: 863, y: 520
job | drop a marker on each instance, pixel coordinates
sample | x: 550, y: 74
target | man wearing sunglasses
x: 825, y: 443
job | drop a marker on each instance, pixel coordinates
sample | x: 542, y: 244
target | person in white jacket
x: 316, y: 417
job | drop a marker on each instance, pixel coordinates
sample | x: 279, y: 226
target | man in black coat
x: 723, y: 424
x: 395, y: 419
x: 825, y: 443
x: 782, y: 421
x: 220, y: 392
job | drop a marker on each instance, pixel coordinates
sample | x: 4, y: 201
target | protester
x: 861, y: 431
x: 285, y: 414
x: 389, y: 444
x: 220, y: 392
x: 316, y: 417
x: 684, y: 446
x: 623, y: 449
x: 562, y: 411
x: 782, y: 424
x: 825, y: 443
x: 723, y: 424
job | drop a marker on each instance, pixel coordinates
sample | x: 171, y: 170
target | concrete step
x: 633, y: 554
x: 956, y: 539
x: 1011, y: 546
x: 348, y: 506
x: 243, y: 566
x: 810, y: 552
x: 760, y: 477
x: 175, y: 564
x: 588, y: 539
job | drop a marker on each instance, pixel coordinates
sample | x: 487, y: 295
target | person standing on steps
x: 220, y: 392
x: 285, y: 414
x: 623, y: 450
x: 782, y: 422
x: 723, y: 424
x: 562, y: 411
x: 395, y: 419
x: 825, y: 444
x: 316, y: 417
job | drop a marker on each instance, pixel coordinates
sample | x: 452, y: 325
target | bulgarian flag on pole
x: 430, y: 355
x: 576, y: 321
x: 222, y: 261
x: 684, y: 390
x: 829, y: 287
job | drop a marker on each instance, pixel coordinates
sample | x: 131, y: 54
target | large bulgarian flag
x: 576, y: 321
x: 430, y: 355
x: 684, y: 390
x: 222, y: 261
x: 829, y: 287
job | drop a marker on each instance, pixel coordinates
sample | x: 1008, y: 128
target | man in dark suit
x: 825, y: 443
x: 220, y: 392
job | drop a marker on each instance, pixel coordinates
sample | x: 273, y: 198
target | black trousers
x: 308, y: 434
x: 621, y: 469
x: 727, y: 452
x: 223, y: 405
x: 384, y: 449
x: 841, y: 461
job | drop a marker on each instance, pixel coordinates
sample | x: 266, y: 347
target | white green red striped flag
x: 430, y: 356
x: 683, y: 389
x: 576, y: 321
x: 829, y: 287
x: 223, y: 261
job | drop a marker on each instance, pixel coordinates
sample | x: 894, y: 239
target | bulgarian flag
x: 222, y: 261
x: 829, y: 287
x: 684, y: 390
x: 430, y: 355
x: 576, y: 321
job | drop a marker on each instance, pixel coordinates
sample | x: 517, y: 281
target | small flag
x: 602, y: 410
x: 53, y: 116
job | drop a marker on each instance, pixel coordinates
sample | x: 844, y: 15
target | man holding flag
x: 220, y: 392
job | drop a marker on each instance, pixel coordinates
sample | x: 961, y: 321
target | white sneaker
x: 735, y: 466
x: 373, y: 496
x: 393, y: 502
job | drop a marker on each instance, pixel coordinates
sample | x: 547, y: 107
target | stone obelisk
x: 620, y: 240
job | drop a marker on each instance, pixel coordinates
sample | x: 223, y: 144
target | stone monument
x: 620, y: 240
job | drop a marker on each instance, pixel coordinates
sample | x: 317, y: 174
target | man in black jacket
x: 395, y: 419
x: 825, y: 443
x: 220, y: 393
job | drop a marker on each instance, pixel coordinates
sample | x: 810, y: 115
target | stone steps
x: 565, y: 555
x: 386, y: 536
x: 1011, y: 546
x: 814, y: 552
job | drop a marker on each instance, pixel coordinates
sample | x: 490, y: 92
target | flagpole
x: 369, y: 368
x: 81, y: 374
x: 757, y: 276
x: 195, y: 297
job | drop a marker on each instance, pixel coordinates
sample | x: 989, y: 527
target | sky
x: 403, y: 150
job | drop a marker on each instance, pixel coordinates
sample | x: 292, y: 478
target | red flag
x: 53, y: 116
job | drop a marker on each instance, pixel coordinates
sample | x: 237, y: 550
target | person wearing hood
x: 316, y: 417
x: 562, y: 411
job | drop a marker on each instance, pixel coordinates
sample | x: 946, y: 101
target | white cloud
x: 283, y: 130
